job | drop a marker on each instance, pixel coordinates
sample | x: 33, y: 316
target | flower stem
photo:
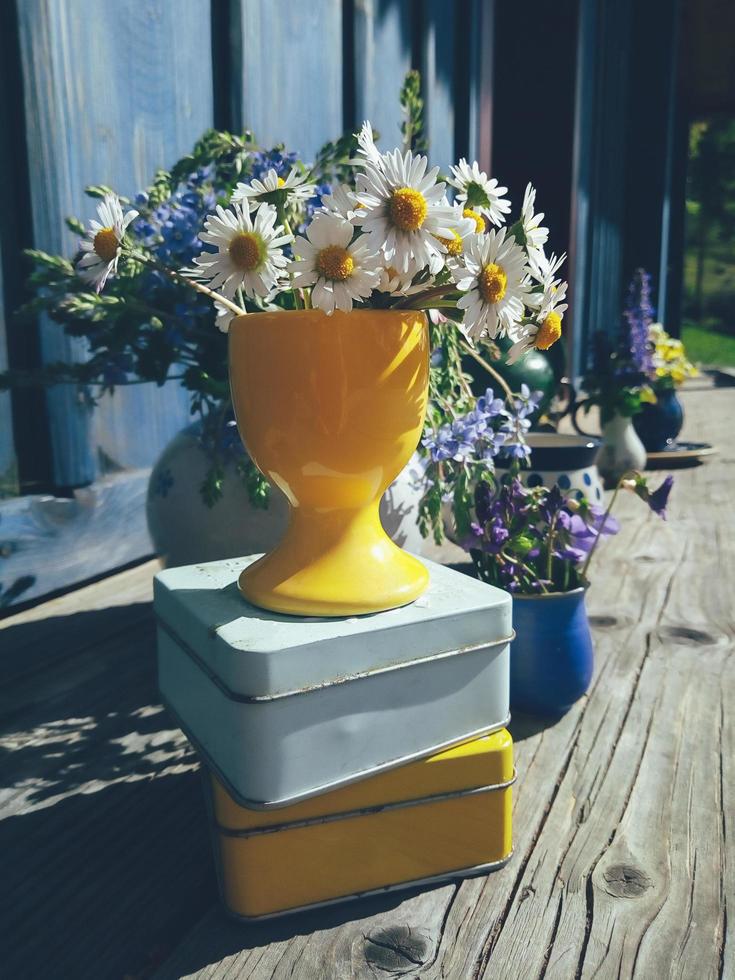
x: 192, y: 283
x: 526, y: 568
x: 412, y: 302
x: 490, y: 370
x: 602, y: 525
x: 550, y: 553
x: 297, y: 296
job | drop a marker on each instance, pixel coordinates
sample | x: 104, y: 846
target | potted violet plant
x: 538, y: 544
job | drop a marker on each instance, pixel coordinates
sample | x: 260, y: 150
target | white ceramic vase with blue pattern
x: 185, y: 531
x: 566, y: 460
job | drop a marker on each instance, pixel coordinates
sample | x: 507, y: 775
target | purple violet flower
x: 658, y: 500
x: 489, y: 405
x: 638, y: 316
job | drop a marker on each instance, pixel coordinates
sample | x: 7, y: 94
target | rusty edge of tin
x: 325, y: 787
x: 310, y: 688
x: 479, y: 869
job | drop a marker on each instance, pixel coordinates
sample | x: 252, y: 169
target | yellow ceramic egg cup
x: 330, y: 409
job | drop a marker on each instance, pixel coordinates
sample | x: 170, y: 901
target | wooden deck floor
x: 623, y: 810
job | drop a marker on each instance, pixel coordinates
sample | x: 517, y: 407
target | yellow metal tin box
x: 443, y: 817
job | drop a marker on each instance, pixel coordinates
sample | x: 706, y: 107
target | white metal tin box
x: 286, y: 707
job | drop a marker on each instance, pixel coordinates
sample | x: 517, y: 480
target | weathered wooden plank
x: 102, y: 814
x: 383, y: 40
x: 109, y: 97
x: 287, y: 73
x: 48, y: 543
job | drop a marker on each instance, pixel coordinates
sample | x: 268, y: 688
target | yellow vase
x: 330, y: 409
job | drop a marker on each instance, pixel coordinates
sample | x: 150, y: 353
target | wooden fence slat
x: 287, y: 76
x: 599, y: 202
x: 112, y: 91
x: 438, y: 78
x: 8, y: 471
x: 480, y: 15
x: 383, y: 47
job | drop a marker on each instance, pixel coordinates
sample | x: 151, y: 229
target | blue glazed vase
x: 551, y: 658
x: 659, y: 424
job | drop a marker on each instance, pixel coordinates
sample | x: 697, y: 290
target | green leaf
x: 98, y: 190
x: 75, y: 225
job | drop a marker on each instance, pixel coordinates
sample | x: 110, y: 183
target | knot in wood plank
x: 687, y: 636
x: 625, y: 881
x: 603, y: 622
x: 396, y: 950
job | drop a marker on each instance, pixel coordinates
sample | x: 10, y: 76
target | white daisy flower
x: 101, y: 244
x: 249, y: 254
x: 224, y: 317
x: 543, y: 268
x: 397, y: 283
x: 367, y: 148
x: 480, y: 193
x: 536, y: 234
x: 268, y: 190
x: 454, y: 246
x: 547, y: 328
x: 341, y: 201
x: 493, y: 276
x: 340, y: 270
x: 402, y: 209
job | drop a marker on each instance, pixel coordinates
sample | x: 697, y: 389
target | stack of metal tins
x: 342, y: 756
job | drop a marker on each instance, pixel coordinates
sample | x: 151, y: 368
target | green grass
x: 708, y: 347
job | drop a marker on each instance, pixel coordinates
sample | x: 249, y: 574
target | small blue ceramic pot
x: 659, y: 424
x: 551, y: 658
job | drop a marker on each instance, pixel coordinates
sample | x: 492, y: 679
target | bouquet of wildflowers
x: 235, y: 228
x: 540, y: 540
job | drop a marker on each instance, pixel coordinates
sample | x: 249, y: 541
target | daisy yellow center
x: 335, y: 263
x: 476, y: 217
x: 106, y: 244
x: 281, y: 182
x: 408, y: 208
x: 246, y: 250
x: 549, y: 332
x: 493, y: 283
x: 452, y: 245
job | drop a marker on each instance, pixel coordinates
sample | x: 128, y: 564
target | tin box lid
x: 255, y: 653
x: 480, y: 763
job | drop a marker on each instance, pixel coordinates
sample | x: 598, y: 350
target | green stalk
x: 191, y: 283
x: 602, y: 525
x: 297, y: 298
x: 550, y: 553
x: 412, y: 302
x: 490, y: 370
x: 526, y: 568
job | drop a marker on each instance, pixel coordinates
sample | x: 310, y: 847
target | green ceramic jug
x: 540, y: 370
